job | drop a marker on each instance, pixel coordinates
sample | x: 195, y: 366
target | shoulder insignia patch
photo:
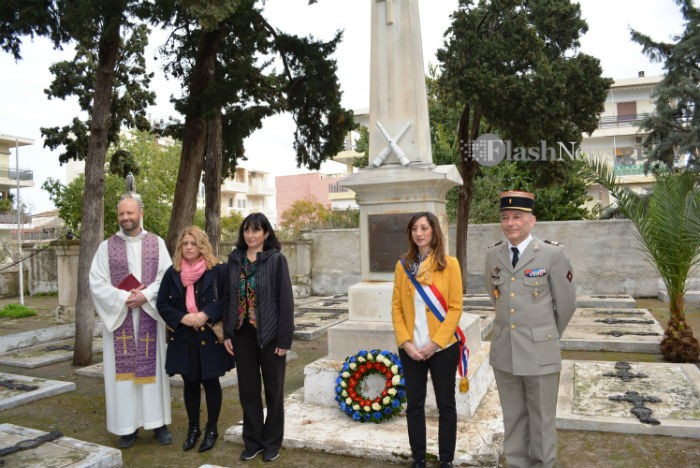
x: 551, y: 242
x: 497, y: 243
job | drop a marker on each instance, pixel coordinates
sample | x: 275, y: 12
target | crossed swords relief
x: 392, y: 146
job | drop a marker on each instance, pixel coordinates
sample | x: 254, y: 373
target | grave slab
x: 615, y: 301
x: 43, y: 335
x: 313, y: 322
x: 338, y: 302
x: 9, y: 398
x: 45, y: 354
x: 327, y: 429
x: 64, y: 452
x: 690, y: 297
x: 583, y: 402
x: 588, y: 332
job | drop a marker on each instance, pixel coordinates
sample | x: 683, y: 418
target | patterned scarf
x: 420, y: 267
x: 246, y: 292
x: 190, y: 274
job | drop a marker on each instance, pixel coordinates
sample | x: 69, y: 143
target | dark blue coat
x: 211, y: 299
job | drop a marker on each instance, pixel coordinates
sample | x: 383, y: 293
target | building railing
x: 12, y: 173
x: 8, y: 218
x: 259, y: 189
x: 336, y: 188
x: 607, y: 121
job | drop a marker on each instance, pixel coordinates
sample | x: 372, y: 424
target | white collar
x: 523, y: 245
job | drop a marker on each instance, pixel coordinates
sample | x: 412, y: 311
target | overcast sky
x: 25, y: 107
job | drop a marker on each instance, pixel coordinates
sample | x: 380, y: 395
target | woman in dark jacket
x: 258, y: 328
x: 190, y: 299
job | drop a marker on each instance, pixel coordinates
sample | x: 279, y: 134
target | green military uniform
x: 534, y: 302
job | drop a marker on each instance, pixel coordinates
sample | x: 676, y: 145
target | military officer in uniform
x: 530, y: 284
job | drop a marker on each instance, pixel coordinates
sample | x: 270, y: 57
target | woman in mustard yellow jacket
x: 427, y: 343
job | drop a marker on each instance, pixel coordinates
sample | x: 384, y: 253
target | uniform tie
x: 515, y: 256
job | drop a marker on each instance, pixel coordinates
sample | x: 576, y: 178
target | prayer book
x: 129, y: 283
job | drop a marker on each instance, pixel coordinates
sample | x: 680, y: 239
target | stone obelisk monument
x: 401, y: 179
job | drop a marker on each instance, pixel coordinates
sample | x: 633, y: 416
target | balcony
x: 8, y: 218
x: 612, y: 121
x: 9, y: 176
x: 260, y: 190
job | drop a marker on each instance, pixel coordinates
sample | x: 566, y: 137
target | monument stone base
x: 349, y: 337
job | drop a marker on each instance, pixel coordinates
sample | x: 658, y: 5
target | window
x: 230, y: 202
x: 626, y: 111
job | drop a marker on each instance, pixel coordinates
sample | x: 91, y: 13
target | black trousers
x: 442, y: 367
x: 252, y: 362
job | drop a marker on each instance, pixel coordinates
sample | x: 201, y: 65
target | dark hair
x: 258, y: 221
x: 437, y: 243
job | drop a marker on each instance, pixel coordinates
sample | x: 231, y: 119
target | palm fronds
x: 667, y: 224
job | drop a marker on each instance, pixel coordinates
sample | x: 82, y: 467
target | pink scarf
x: 190, y: 274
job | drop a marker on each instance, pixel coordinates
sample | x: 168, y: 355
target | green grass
x: 16, y: 311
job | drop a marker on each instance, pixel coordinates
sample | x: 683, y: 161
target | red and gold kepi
x: 517, y: 200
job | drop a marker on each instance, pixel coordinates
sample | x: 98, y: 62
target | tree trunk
x: 679, y: 344
x: 468, y: 168
x: 212, y: 182
x: 92, y: 226
x: 193, y: 138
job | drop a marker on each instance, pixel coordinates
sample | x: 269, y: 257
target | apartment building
x: 12, y: 178
x: 618, y: 138
x: 247, y: 191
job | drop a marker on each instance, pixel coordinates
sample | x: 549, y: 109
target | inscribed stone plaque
x: 387, y: 240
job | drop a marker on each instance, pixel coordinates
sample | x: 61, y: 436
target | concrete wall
x: 606, y: 257
x: 605, y: 254
x: 42, y: 265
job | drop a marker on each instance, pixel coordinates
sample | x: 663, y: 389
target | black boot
x: 210, y: 436
x: 193, y: 434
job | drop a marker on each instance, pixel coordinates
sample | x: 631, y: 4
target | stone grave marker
x: 45, y: 354
x: 584, y: 402
x: 59, y: 452
x: 19, y: 389
x: 610, y: 329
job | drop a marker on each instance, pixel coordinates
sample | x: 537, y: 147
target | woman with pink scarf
x: 190, y: 300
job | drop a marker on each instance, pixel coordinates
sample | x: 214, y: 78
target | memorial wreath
x: 355, y: 369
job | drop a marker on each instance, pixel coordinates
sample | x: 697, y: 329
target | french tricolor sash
x: 436, y: 303
x: 135, y: 359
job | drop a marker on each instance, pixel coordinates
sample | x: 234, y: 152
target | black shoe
x: 445, y: 464
x: 193, y: 434
x: 271, y: 455
x: 418, y: 464
x: 128, y: 440
x: 249, y: 454
x: 210, y: 436
x: 163, y: 435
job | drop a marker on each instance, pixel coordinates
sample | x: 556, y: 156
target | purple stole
x: 135, y: 360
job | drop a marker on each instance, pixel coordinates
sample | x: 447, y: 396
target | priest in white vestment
x: 124, y: 279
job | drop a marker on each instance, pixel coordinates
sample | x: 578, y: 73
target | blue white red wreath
x: 365, y: 408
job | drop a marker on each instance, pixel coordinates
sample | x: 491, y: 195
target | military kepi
x: 517, y: 200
